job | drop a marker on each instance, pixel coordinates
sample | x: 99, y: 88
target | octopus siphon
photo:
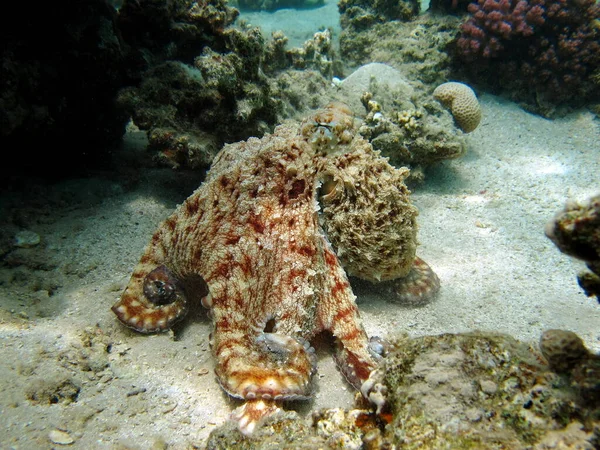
x: 265, y: 242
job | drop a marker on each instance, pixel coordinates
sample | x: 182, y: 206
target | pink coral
x: 552, y: 45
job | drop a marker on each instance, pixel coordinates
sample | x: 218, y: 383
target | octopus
x: 264, y: 244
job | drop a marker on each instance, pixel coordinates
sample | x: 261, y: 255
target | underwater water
x: 298, y: 26
x: 72, y: 376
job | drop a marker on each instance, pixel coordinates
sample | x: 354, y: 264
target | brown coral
x: 462, y: 102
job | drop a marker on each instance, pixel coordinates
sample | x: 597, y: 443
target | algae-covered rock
x: 361, y: 14
x: 273, y: 5
x: 240, y: 86
x: 567, y: 354
x: 416, y: 47
x: 452, y: 391
x: 576, y: 232
x: 478, y: 390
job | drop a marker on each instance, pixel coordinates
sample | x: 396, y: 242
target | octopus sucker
x: 252, y: 413
x: 266, y: 244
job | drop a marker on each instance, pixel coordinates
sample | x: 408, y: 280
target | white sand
x: 481, y: 229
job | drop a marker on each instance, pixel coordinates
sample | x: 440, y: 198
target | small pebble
x: 27, y: 239
x: 474, y: 414
x: 136, y: 392
x: 60, y: 437
x: 489, y: 387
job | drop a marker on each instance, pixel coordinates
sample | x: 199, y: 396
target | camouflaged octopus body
x: 248, y: 241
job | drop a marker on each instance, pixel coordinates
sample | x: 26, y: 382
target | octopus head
x: 329, y: 127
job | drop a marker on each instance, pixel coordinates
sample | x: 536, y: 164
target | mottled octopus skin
x: 248, y: 241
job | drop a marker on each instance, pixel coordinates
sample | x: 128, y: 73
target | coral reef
x: 404, y: 122
x: 576, y: 232
x: 416, y: 47
x: 317, y: 54
x: 272, y: 5
x: 235, y: 86
x: 177, y: 30
x: 415, y: 136
x: 544, y: 53
x: 189, y: 110
x: 462, y: 102
x: 361, y: 14
x: 455, y: 7
x: 249, y: 244
x: 458, y: 391
x: 58, y: 86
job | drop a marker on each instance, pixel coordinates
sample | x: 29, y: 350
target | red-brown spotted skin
x: 252, y: 233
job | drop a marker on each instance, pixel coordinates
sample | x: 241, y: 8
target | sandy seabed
x: 70, y: 371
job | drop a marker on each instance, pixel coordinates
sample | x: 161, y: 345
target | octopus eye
x: 160, y: 286
x: 377, y: 347
x: 327, y: 188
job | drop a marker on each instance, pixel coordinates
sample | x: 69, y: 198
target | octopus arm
x: 155, y: 297
x: 339, y: 315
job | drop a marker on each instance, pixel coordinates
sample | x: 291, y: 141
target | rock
x: 352, y: 87
x: 26, y: 239
x: 60, y: 437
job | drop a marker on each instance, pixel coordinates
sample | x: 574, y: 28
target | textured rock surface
x: 576, y: 232
x: 480, y: 390
x: 272, y: 5
x: 457, y: 391
x: 416, y: 47
x: 236, y: 85
x: 563, y: 349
